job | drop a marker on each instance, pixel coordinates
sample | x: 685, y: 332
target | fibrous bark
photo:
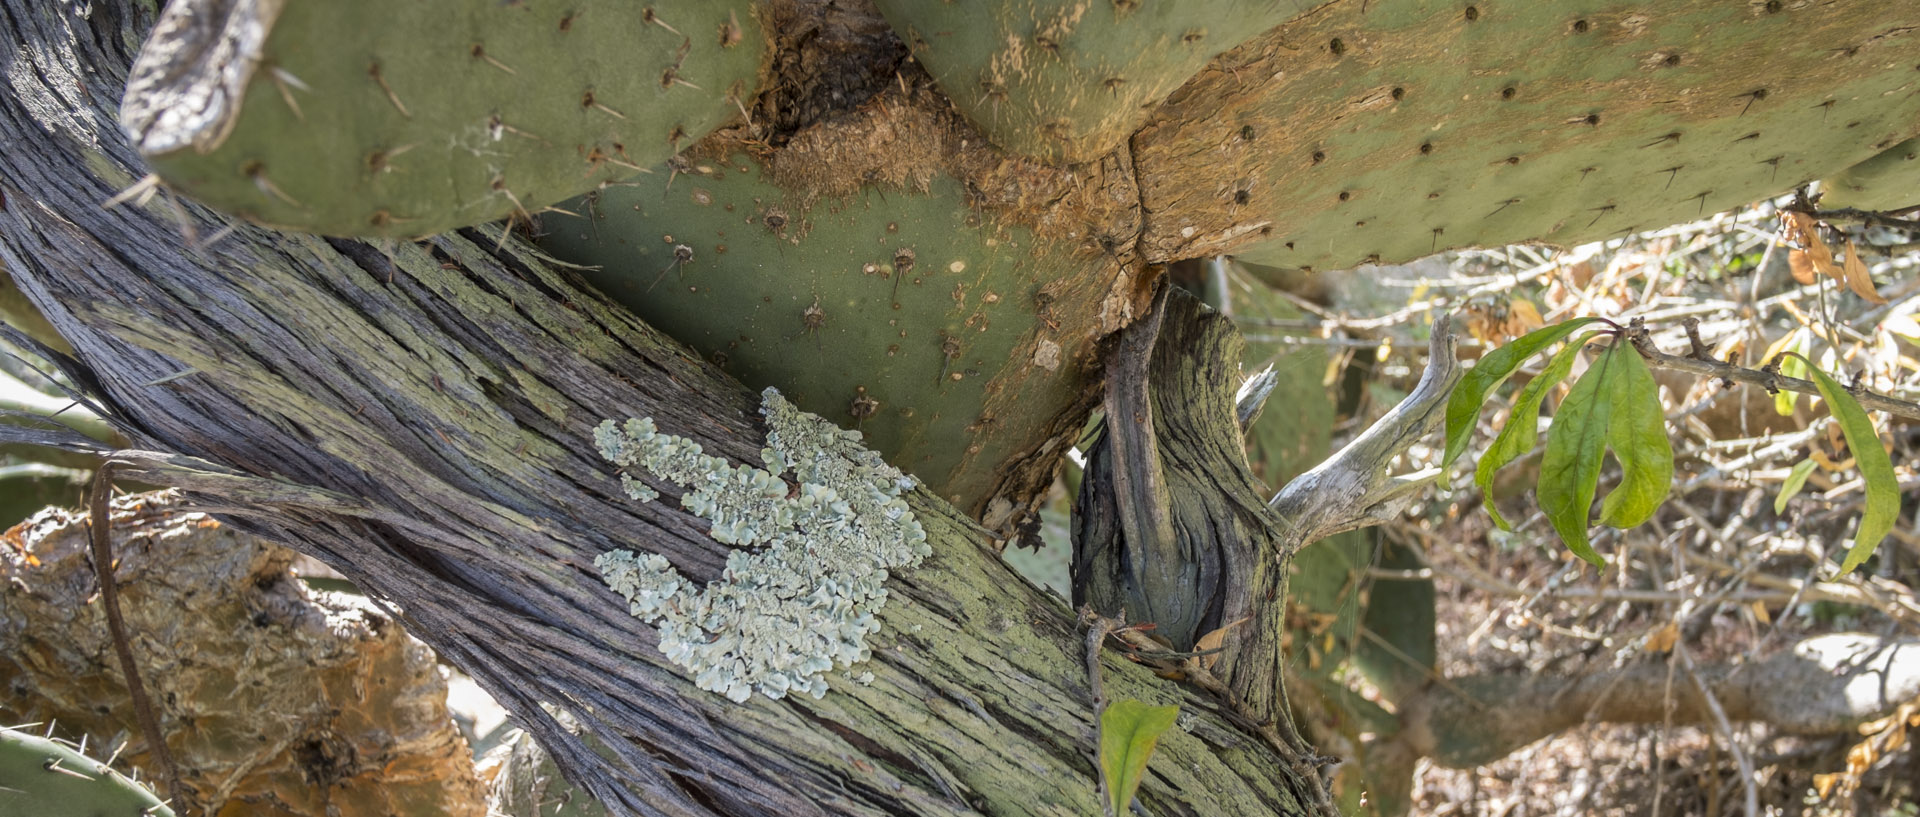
x: 419, y: 416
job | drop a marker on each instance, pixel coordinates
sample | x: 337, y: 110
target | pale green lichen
x: 803, y: 601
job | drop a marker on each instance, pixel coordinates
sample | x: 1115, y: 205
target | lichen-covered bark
x: 420, y: 416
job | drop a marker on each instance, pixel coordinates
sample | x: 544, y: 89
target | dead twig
x: 1725, y: 728
x: 102, y: 547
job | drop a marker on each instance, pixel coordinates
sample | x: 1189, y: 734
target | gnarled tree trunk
x: 420, y: 416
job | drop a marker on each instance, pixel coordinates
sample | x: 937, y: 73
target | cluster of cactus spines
x: 1384, y: 131
x: 1888, y: 181
x: 917, y: 313
x: 1069, y: 80
x: 371, y: 118
x: 45, y: 777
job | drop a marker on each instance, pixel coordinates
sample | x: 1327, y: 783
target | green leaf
x: 1791, y: 366
x: 1637, y: 433
x: 1876, y: 469
x: 1128, y: 731
x: 1463, y: 408
x: 1576, y: 447
x: 1796, y: 479
x: 1522, y: 430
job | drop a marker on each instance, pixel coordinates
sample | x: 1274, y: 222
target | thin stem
x: 1770, y: 381
x: 102, y: 543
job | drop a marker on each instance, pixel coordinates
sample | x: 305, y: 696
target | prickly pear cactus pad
x: 1384, y: 131
x: 49, y: 778
x: 915, y: 298
x: 1069, y: 80
x: 1888, y: 181
x: 373, y: 118
x: 802, y: 604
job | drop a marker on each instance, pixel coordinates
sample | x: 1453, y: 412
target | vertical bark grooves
x: 419, y: 416
x: 1169, y: 526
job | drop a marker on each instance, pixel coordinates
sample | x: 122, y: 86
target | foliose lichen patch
x: 800, y: 602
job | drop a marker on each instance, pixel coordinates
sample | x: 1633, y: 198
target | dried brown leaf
x: 1801, y: 266
x: 1663, y: 639
x: 1855, y: 270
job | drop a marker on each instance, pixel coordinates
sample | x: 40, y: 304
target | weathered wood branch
x: 1822, y: 685
x: 419, y: 416
x: 1352, y: 488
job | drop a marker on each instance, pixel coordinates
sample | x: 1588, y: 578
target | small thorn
x: 497, y: 126
x: 587, y: 101
x: 648, y: 15
x: 54, y: 766
x: 480, y: 53
x: 1584, y: 171
x: 1503, y: 205
x: 285, y: 83
x: 211, y: 240
x: 258, y: 173
x: 1671, y: 137
x: 1436, y: 239
x: 373, y: 70
x: 142, y: 190
x: 287, y: 77
x: 1702, y: 209
x: 1602, y: 212
x: 115, y: 755
x: 1752, y: 97
x: 1671, y: 172
x: 747, y: 116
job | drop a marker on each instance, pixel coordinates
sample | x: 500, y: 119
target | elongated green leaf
x: 1522, y: 430
x: 1637, y: 433
x: 1876, y: 469
x: 1576, y: 446
x: 1128, y: 731
x: 1463, y: 408
x: 1796, y: 479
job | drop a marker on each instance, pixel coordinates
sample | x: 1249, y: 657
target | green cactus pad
x: 1069, y: 80
x: 1389, y: 130
x: 48, y: 778
x: 370, y: 118
x: 911, y: 316
x: 1888, y: 181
